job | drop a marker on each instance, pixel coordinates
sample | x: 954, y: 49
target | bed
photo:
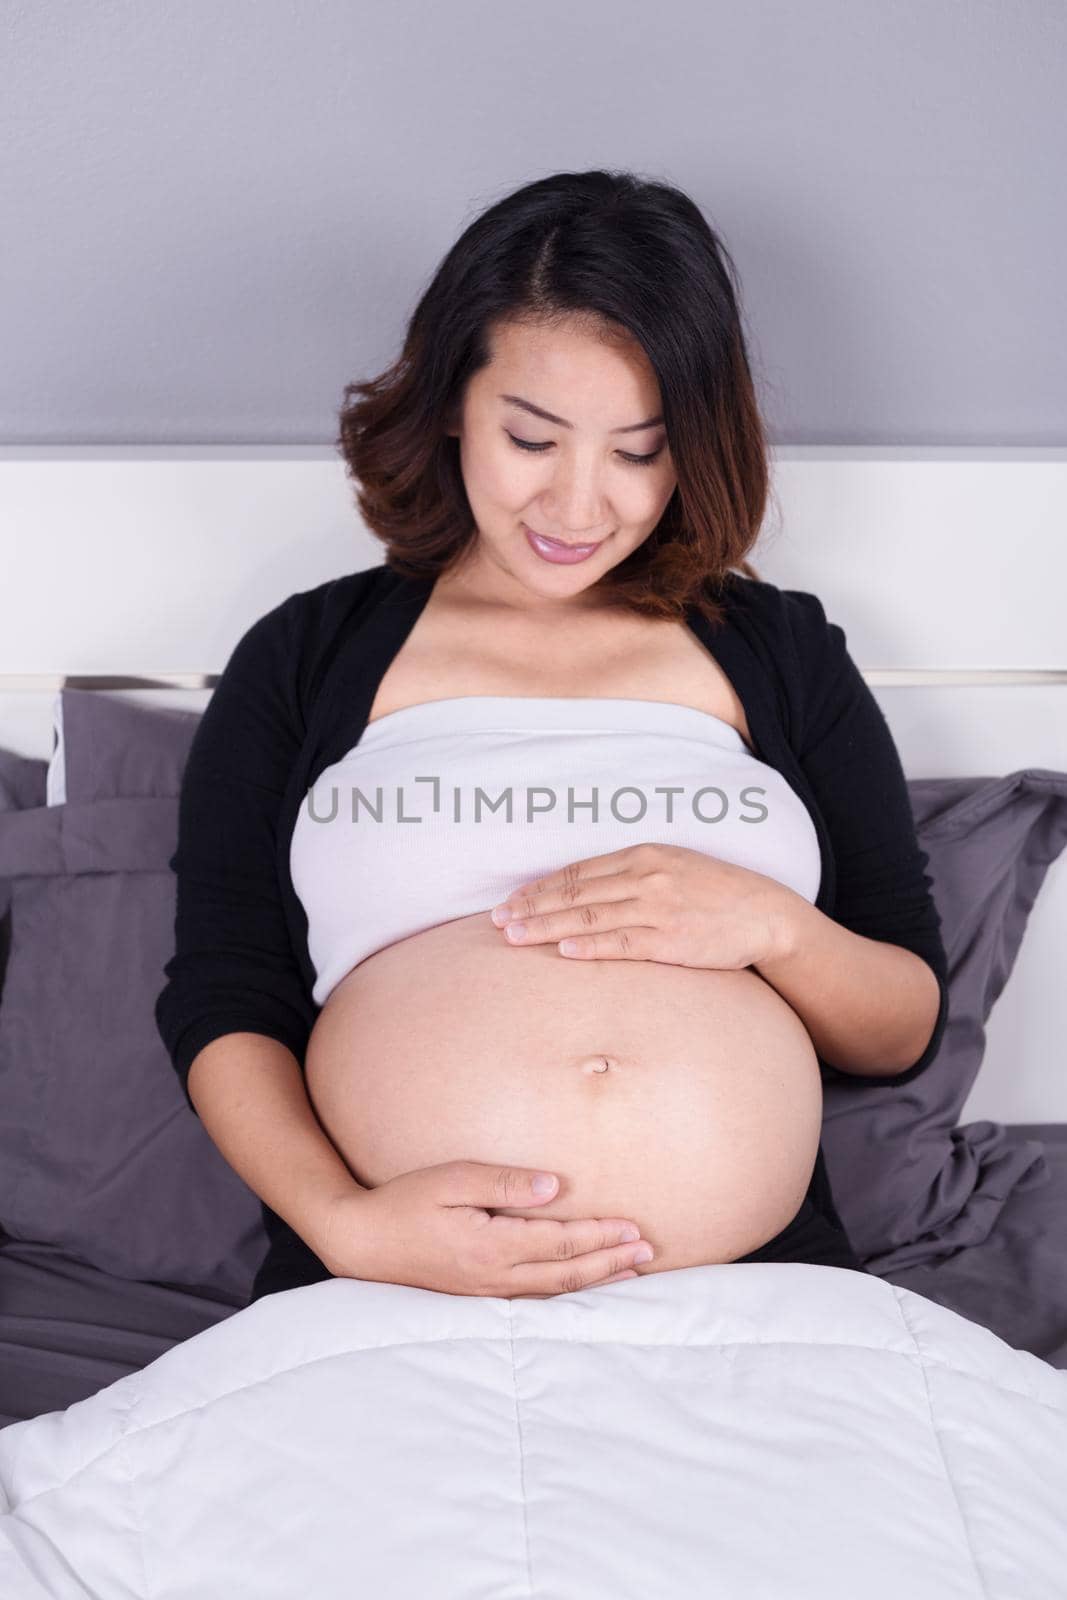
x: 159, y: 1435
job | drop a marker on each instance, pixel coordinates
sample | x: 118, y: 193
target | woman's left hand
x: 653, y: 902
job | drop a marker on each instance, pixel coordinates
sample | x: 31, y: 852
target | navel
x: 598, y: 1063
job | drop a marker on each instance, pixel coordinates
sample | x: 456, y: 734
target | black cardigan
x: 295, y: 696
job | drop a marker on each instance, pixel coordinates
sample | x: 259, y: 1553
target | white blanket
x: 752, y: 1431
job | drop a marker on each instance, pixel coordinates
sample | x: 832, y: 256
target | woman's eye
x: 634, y: 461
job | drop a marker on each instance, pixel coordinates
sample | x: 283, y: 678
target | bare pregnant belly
x: 703, y: 1129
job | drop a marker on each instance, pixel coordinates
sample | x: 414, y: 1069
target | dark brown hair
x: 634, y: 260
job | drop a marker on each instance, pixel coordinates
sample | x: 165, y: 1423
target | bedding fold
x: 747, y: 1430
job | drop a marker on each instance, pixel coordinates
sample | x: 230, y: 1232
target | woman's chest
x: 631, y: 659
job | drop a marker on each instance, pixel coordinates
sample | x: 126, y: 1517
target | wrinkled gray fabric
x: 68, y: 1330
x: 1014, y: 1279
x: 909, y: 1183
x: 99, y: 1154
x: 22, y: 784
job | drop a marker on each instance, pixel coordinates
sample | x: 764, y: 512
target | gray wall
x: 216, y: 214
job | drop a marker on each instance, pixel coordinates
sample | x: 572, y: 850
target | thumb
x: 500, y: 1187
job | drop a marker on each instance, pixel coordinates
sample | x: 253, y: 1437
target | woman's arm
x: 251, y: 1096
x: 863, y: 975
x: 235, y: 1014
x: 234, y: 969
x: 870, y: 1007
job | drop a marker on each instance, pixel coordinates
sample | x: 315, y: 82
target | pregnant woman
x: 560, y: 842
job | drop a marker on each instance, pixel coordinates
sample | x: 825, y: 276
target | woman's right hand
x: 432, y: 1229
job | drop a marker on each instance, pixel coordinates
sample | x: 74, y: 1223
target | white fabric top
x: 442, y: 809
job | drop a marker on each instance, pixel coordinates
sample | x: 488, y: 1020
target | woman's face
x: 594, y: 478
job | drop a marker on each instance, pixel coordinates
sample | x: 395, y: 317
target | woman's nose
x: 578, y: 505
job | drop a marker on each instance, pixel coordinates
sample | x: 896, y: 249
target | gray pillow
x: 910, y: 1185
x: 114, y: 747
x: 99, y: 1153
x: 23, y: 780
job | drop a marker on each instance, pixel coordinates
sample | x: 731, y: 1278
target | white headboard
x: 135, y: 570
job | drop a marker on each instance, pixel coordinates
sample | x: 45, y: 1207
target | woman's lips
x: 553, y: 550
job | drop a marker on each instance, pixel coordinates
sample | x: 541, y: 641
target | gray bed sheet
x: 68, y: 1330
x: 1015, y: 1280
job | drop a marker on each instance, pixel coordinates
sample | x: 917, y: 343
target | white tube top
x: 442, y: 809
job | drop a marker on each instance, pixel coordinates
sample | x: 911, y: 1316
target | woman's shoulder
x: 317, y: 610
x: 307, y: 622
x: 309, y: 627
x: 818, y: 682
x: 790, y: 624
x: 284, y: 654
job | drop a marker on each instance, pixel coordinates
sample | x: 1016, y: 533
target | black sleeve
x: 233, y: 968
x: 849, y: 757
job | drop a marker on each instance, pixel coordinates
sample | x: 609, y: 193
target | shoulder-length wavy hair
x: 634, y: 259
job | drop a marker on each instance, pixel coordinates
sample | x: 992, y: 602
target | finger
x: 570, y: 1277
x: 567, y: 882
x: 616, y: 1277
x: 609, y: 862
x: 601, y: 917
x: 535, y: 1240
x: 606, y: 889
x: 568, y: 885
x: 638, y: 943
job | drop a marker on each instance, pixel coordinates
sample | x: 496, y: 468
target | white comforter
x: 744, y: 1432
